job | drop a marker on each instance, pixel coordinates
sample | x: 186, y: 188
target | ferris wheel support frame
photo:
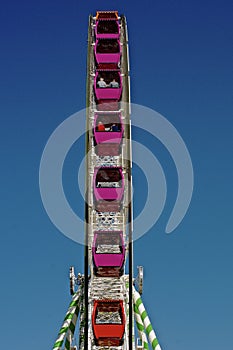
x: 90, y: 286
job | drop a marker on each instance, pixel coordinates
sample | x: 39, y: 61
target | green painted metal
x: 144, y: 321
x: 140, y: 328
x: 68, y: 323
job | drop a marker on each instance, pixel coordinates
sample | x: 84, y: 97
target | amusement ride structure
x: 105, y: 306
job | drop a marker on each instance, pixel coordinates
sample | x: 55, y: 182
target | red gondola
x: 108, y: 322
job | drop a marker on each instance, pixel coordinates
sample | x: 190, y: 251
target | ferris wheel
x: 105, y: 304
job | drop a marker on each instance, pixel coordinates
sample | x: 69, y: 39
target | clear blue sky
x: 181, y: 66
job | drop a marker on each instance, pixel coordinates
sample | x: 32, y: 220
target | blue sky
x: 181, y: 66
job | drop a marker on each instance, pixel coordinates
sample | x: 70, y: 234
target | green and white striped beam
x: 146, y: 321
x: 70, y: 333
x: 140, y: 328
x: 67, y: 323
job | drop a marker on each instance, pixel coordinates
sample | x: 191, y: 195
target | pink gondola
x: 107, y: 25
x: 108, y: 253
x: 108, y: 133
x: 108, y: 92
x: 107, y: 51
x: 108, y: 184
